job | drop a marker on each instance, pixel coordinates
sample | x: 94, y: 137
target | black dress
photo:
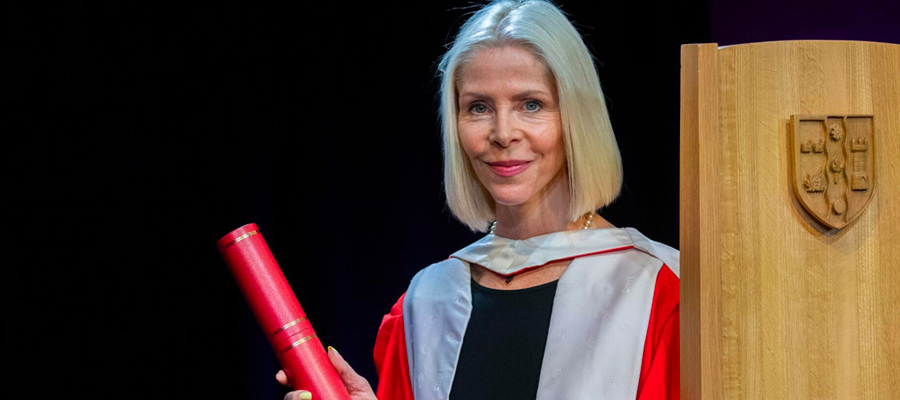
x: 504, y: 343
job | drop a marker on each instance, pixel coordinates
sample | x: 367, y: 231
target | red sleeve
x: 660, y: 368
x: 391, y: 362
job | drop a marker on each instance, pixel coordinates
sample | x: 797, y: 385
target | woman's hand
x: 356, y: 385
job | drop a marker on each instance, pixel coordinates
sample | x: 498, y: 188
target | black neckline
x: 478, y: 286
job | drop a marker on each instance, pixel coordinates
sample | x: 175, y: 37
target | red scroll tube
x: 279, y: 314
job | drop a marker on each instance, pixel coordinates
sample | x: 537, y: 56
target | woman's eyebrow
x: 517, y: 96
x: 530, y: 93
x: 476, y: 95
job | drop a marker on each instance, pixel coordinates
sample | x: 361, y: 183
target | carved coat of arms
x: 833, y: 165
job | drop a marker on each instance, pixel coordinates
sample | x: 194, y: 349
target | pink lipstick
x: 509, y: 168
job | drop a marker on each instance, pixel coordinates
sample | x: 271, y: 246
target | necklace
x: 589, y: 217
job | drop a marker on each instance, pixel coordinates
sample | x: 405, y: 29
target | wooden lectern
x: 790, y: 221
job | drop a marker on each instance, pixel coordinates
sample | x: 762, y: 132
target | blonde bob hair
x: 593, y: 163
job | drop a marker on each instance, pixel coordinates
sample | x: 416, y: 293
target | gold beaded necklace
x: 587, y: 222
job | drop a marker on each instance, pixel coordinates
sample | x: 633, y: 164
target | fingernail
x: 306, y: 396
x: 332, y: 349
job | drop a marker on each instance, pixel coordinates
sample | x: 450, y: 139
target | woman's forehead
x: 508, y: 69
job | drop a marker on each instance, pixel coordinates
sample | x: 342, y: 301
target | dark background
x: 136, y: 135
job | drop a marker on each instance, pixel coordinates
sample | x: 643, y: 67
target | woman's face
x: 509, y: 123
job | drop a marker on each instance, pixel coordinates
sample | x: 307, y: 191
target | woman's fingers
x: 356, y: 385
x: 282, y: 378
x: 298, y: 395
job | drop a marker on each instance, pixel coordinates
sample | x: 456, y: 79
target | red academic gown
x: 659, y: 378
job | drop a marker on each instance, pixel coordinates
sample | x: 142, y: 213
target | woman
x: 554, y: 302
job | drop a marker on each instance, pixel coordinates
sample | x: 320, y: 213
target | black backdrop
x: 136, y: 135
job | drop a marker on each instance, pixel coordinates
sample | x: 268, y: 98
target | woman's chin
x: 509, y: 199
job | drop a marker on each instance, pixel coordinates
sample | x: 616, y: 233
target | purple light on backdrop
x: 736, y: 22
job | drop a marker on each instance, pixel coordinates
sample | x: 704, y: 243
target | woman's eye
x: 478, y: 108
x: 532, y: 105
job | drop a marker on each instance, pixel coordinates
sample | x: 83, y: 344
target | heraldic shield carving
x: 833, y: 165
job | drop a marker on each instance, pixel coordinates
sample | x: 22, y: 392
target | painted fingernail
x: 306, y: 396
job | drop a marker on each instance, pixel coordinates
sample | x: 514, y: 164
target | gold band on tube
x: 297, y: 343
x: 287, y: 325
x: 239, y: 238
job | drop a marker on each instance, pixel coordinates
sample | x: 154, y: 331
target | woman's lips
x: 509, y: 168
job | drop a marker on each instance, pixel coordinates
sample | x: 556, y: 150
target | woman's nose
x: 504, y: 132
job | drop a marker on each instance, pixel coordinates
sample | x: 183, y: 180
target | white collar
x: 509, y: 257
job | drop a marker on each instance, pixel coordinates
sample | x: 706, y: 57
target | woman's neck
x: 546, y: 212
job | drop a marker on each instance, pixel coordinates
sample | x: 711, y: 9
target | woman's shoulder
x: 668, y: 255
x: 437, y: 280
x: 447, y: 265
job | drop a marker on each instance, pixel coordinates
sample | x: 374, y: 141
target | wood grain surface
x: 775, y: 305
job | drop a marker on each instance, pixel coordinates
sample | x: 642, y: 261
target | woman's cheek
x: 470, y: 141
